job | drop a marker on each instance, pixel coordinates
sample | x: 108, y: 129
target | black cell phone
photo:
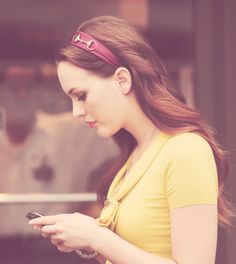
x: 32, y: 215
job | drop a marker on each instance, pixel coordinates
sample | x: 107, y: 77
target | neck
x: 140, y: 149
x: 147, y: 138
x: 138, y: 124
x: 142, y: 130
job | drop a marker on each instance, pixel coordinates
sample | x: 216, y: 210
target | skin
x: 111, y: 103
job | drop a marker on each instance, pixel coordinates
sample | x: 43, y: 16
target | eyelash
x: 81, y: 97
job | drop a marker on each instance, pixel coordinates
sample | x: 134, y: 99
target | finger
x: 37, y: 228
x: 58, y: 238
x: 60, y: 244
x: 44, y: 235
x: 55, y: 241
x: 50, y: 229
x: 64, y: 248
x: 45, y: 220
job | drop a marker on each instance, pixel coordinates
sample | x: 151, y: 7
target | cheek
x: 99, y: 102
x: 95, y: 105
x: 105, y: 103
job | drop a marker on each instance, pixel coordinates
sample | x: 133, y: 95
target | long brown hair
x: 161, y: 103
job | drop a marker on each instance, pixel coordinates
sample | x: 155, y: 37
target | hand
x: 68, y: 232
x: 60, y: 245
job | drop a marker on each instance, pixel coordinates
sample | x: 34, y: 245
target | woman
x: 163, y: 197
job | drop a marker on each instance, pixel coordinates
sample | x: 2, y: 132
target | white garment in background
x: 69, y: 148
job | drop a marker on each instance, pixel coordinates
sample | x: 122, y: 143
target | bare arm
x: 193, y: 237
x: 193, y: 234
x: 119, y: 251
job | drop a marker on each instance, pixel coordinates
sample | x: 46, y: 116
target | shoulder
x: 188, y: 150
x: 188, y: 138
x: 191, y: 173
x: 187, y: 143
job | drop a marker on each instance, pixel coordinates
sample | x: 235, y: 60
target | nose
x: 78, y: 109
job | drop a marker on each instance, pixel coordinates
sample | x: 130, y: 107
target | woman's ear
x: 123, y: 79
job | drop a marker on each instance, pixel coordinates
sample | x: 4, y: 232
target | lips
x: 92, y: 124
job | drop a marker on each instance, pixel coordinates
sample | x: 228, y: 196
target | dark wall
x: 215, y: 93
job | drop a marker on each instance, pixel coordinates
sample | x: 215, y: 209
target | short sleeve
x: 191, y: 176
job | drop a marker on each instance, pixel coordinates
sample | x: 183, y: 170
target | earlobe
x: 123, y: 78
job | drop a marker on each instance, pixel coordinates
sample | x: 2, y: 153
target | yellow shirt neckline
x: 138, y: 169
x: 108, y: 215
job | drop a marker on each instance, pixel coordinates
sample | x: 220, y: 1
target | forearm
x: 119, y: 251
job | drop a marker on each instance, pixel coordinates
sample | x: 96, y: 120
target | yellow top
x: 174, y: 171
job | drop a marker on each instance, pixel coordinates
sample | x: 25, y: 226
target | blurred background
x: 51, y: 163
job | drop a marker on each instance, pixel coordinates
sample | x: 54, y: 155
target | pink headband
x: 88, y: 43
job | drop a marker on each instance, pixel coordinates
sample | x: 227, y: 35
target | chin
x: 105, y: 133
